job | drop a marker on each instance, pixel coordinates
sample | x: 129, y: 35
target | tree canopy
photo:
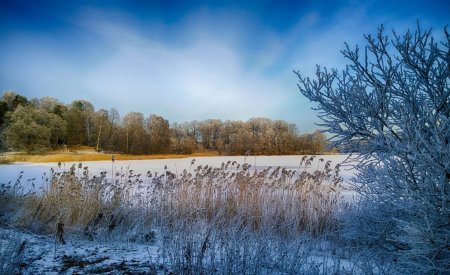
x: 42, y: 124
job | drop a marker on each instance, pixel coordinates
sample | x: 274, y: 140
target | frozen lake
x: 37, y: 172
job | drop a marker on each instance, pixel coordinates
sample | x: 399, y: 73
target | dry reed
x: 202, y: 214
x: 278, y: 200
x: 285, y: 201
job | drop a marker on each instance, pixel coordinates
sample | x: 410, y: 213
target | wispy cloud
x: 205, y: 77
x: 206, y: 62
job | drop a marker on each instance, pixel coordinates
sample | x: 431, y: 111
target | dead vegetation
x: 84, y: 153
x: 203, y: 208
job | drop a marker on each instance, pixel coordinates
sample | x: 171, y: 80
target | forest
x: 40, y: 125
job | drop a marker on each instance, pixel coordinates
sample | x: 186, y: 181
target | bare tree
x: 113, y: 129
x: 391, y: 106
x: 78, y: 117
x: 209, y: 130
x: 100, y: 121
x: 136, y: 136
x: 159, y: 134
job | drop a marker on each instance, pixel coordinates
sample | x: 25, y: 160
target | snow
x: 44, y: 256
x: 37, y: 173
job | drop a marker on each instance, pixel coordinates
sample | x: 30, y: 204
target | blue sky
x: 190, y: 60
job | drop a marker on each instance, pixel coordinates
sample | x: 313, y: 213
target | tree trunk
x: 98, y: 138
x: 127, y: 140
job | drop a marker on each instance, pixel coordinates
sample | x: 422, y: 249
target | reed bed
x: 287, y: 202
x: 208, y: 218
x: 12, y: 249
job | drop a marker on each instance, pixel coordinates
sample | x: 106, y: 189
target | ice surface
x: 38, y: 172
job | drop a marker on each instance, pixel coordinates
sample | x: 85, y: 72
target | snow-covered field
x: 38, y: 172
x: 42, y: 254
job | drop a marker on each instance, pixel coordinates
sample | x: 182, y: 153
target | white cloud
x: 204, y: 78
x: 208, y: 73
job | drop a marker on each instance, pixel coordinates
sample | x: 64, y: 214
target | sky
x: 190, y: 60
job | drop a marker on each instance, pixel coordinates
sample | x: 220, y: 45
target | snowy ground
x: 42, y: 255
x: 38, y: 172
x: 35, y: 175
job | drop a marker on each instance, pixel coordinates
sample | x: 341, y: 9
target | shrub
x: 391, y: 106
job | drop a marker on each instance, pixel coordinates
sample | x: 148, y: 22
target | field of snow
x: 42, y: 255
x: 210, y: 244
x: 38, y: 172
x: 36, y: 175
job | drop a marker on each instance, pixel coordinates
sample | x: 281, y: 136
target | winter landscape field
x: 225, y: 137
x: 205, y: 215
x: 37, y: 173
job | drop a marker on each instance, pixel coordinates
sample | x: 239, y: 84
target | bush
x: 391, y: 107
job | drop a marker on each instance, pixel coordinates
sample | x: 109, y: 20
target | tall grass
x: 12, y: 249
x: 285, y: 202
x: 235, y: 219
x: 224, y: 218
x: 87, y: 205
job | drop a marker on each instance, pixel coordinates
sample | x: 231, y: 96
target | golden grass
x: 289, y: 203
x: 90, y: 156
x: 85, y: 153
x: 4, y: 161
x: 80, y: 203
x: 233, y: 196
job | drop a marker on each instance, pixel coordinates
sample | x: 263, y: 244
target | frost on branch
x: 391, y: 108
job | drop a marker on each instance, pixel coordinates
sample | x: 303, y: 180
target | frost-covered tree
x: 100, y: 122
x: 34, y: 130
x: 79, y: 118
x: 135, y: 135
x: 159, y: 134
x: 391, y: 107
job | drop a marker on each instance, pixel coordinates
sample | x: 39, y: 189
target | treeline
x: 40, y: 125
